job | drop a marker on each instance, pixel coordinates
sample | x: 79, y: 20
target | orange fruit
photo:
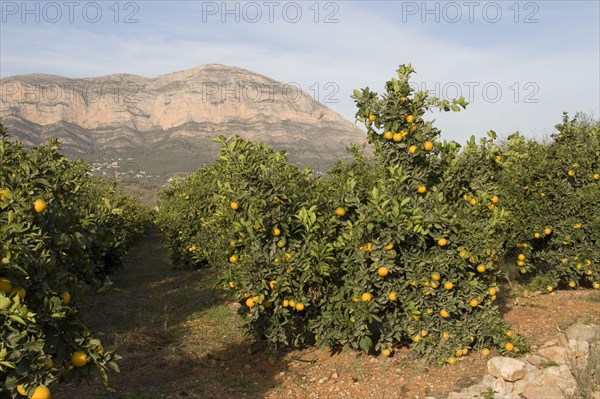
x: 340, y: 211
x: 547, y: 231
x: 509, y: 347
x: 473, y: 201
x: 495, y: 199
x: 465, y: 351
x: 571, y: 173
x: 48, y: 363
x: 564, y: 261
x: 413, y: 128
x: 292, y: 303
x: 481, y: 268
x: 445, y: 336
x: 493, y: 291
x: 66, y: 297
x: 233, y: 258
x: 299, y: 307
x: 537, y: 235
x: 372, y: 117
x: 388, y: 135
x: 444, y: 313
x: 272, y: 284
x: 39, y: 205
x: 485, y: 352
x: 442, y: 242
x: 596, y: 286
x: 596, y: 176
x: 21, y: 389
x: 79, y: 359
x: 250, y: 302
x: 521, y: 257
x: 285, y: 303
x: 474, y: 303
x: 392, y: 296
x: 397, y: 137
x: 424, y: 333
x: 509, y: 333
x: 412, y: 149
x: 389, y: 247
x: 448, y: 285
x: 520, y: 263
x: 382, y: 271
x: 428, y: 146
x: 589, y: 272
x: 287, y: 256
x: 386, y: 352
x: 572, y: 284
x: 421, y: 189
x: 41, y: 392
x: 234, y: 205
x: 435, y: 276
x: 5, y: 285
x: 366, y: 297
x: 410, y: 118
x: 451, y: 360
x: 276, y: 231
x: 416, y: 338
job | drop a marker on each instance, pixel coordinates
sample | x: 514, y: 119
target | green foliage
x: 61, y: 233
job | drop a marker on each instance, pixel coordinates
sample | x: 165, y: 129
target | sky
x: 520, y: 64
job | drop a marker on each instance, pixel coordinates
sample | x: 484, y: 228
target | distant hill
x: 164, y: 125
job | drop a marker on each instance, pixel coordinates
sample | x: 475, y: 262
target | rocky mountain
x: 166, y: 123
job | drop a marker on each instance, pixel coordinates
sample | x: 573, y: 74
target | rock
x: 499, y: 386
x: 508, y: 388
x: 533, y: 376
x: 519, y: 386
x: 487, y: 382
x: 506, y: 368
x: 334, y: 376
x: 534, y: 360
x: 552, y: 378
x: 542, y: 392
x: 582, y: 332
x: 552, y: 371
x: 555, y: 353
x: 579, y: 348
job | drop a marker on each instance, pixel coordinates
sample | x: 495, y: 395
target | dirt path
x: 182, y: 338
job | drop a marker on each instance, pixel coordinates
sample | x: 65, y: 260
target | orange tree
x: 401, y: 249
x: 59, y: 239
x: 552, y: 192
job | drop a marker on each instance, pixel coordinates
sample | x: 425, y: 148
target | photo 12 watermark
x: 53, y: 12
x: 69, y: 92
x: 253, y: 12
x: 489, y: 92
x: 469, y: 11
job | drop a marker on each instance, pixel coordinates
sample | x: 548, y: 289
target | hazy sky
x: 520, y: 63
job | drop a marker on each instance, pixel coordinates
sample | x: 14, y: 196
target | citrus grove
x: 61, y: 232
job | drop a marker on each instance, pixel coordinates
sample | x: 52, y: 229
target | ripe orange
x: 424, y: 333
x: 451, y: 360
x: 412, y: 149
x: 287, y: 256
x: 564, y: 261
x: 596, y: 286
x: 21, y: 390
x: 292, y: 303
x: 421, y: 189
x: 520, y: 263
x: 366, y: 297
x: 285, y: 303
x: 572, y: 284
x: 410, y: 118
x: 41, y: 392
x: 299, y: 307
x: 413, y: 128
x: 250, y: 302
x: 416, y: 338
x: 435, y: 276
x: 39, y: 205
x: 388, y: 135
x: 509, y: 347
x: 66, y: 297
x: 428, y: 146
x: 495, y: 199
x: 389, y: 247
x: 444, y: 313
x: 233, y: 258
x: 521, y: 257
x: 234, y: 205
x: 442, y: 242
x: 392, y: 296
x: 372, y: 117
x: 473, y: 201
x: 5, y: 285
x: 448, y: 285
x: 547, y: 231
x: 493, y: 291
x: 272, y: 284
x: 79, y: 359
x: 571, y: 173
x: 596, y: 176
x: 276, y: 231
x: 340, y: 211
x: 382, y: 271
x: 397, y: 137
x: 465, y: 351
x: 481, y: 268
x: 474, y: 303
x: 485, y: 352
x: 386, y: 352
x: 509, y: 333
x: 445, y: 336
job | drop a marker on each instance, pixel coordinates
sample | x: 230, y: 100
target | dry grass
x: 588, y: 375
